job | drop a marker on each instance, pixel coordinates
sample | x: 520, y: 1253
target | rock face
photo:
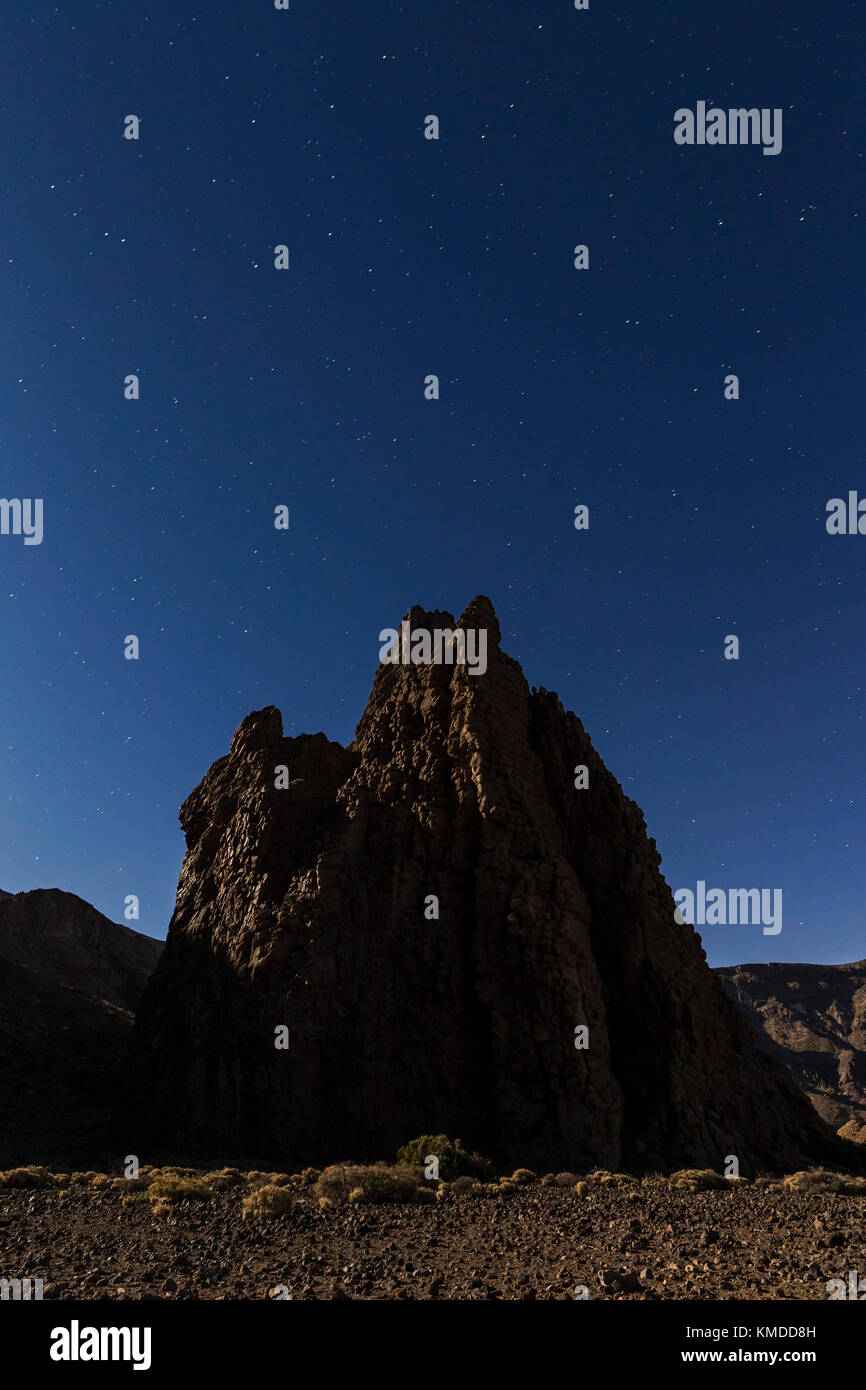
x: 69, y: 982
x: 310, y: 908
x: 812, y: 1018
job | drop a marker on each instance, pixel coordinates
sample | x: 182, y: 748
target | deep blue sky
x: 558, y: 387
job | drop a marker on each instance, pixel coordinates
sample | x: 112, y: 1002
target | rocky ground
x: 533, y: 1242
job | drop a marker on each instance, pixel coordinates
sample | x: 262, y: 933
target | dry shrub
x: 167, y: 1189
x: 813, y: 1180
x: 523, y: 1177
x: 337, y: 1181
x: 256, y: 1178
x: 267, y: 1201
x: 304, y: 1182
x: 139, y: 1184
x: 223, y: 1179
x: 33, y: 1176
x: 463, y: 1187
x: 454, y: 1160
x: 822, y: 1180
x: 377, y: 1185
x: 601, y: 1177
x: 697, y: 1180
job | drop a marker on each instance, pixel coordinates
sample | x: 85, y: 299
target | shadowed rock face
x: 305, y: 907
x: 69, y: 982
x: 812, y: 1018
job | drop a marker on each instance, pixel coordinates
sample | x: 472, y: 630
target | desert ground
x: 388, y: 1233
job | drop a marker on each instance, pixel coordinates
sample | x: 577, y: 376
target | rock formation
x: 813, y: 1019
x: 69, y: 982
x: 311, y: 908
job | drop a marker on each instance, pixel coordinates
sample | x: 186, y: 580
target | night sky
x: 558, y: 387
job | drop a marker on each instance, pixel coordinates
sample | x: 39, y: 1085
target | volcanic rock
x: 813, y: 1019
x: 69, y: 982
x: 431, y: 914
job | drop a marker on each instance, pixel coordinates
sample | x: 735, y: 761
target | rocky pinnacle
x: 434, y: 917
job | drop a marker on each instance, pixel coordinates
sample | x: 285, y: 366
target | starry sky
x: 558, y: 387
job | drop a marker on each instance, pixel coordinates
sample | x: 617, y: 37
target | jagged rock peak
x: 259, y: 730
x: 480, y: 613
x: 460, y: 934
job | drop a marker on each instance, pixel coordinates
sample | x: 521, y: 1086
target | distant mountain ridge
x: 70, y: 980
x: 812, y: 1018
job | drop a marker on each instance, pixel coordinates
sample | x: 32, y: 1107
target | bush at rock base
x: 454, y: 1160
